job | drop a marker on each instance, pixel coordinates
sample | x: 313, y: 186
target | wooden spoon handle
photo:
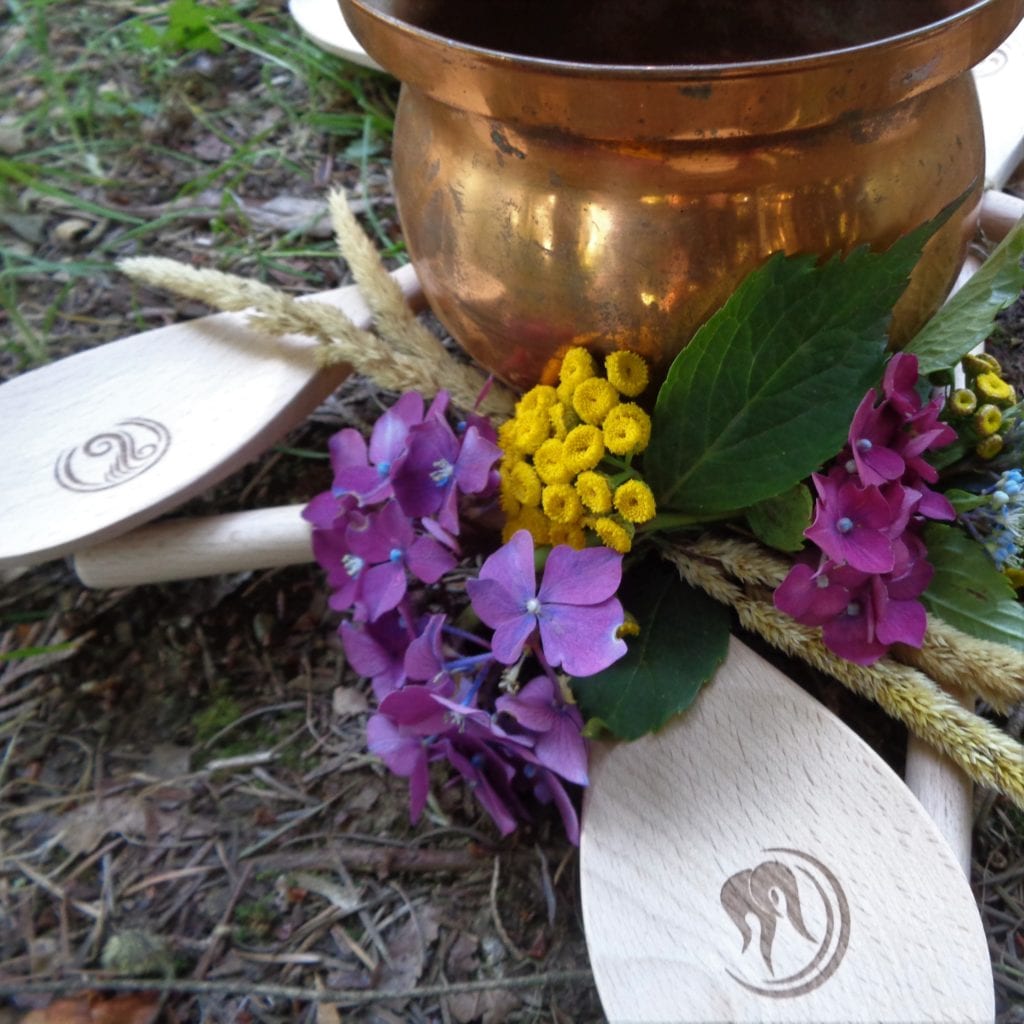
x: 1000, y: 212
x: 179, y: 549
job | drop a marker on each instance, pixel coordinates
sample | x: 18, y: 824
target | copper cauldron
x: 606, y: 172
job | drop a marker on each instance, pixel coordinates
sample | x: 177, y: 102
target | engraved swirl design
x: 113, y: 457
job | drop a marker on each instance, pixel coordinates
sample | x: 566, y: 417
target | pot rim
x: 683, y: 102
x: 676, y: 72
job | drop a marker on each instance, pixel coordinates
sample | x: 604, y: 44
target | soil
x: 184, y: 789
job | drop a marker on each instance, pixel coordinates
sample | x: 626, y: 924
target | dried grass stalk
x: 985, y: 753
x: 406, y: 365
x: 952, y: 658
x: 396, y: 322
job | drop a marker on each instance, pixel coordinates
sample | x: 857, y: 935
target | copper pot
x: 607, y: 172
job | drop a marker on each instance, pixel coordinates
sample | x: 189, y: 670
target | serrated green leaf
x: 764, y: 393
x: 684, y: 637
x: 968, y: 591
x: 780, y: 521
x: 966, y: 319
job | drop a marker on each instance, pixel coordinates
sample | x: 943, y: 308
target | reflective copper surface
x: 607, y: 172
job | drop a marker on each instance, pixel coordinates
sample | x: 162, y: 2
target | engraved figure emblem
x: 113, y: 457
x: 800, y: 915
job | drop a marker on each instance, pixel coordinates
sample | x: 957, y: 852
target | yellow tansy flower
x: 536, y: 399
x: 507, y: 501
x: 532, y: 429
x: 523, y: 482
x: 629, y: 627
x: 627, y: 372
x: 992, y: 387
x: 1016, y: 577
x: 594, y: 399
x: 583, y: 448
x: 561, y: 504
x: 987, y: 420
x: 549, y: 462
x: 562, y: 420
x: 577, y: 366
x: 530, y: 519
x: 627, y: 429
x: 507, y: 436
x: 980, y: 362
x: 595, y: 492
x: 570, y: 534
x: 962, y: 402
x: 634, y: 501
x: 989, y: 447
x: 613, y: 535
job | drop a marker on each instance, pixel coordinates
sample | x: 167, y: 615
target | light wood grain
x: 1000, y: 83
x: 179, y: 549
x: 758, y: 772
x: 195, y: 401
x: 322, y: 22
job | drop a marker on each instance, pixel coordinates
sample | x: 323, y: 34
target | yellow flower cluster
x: 566, y: 473
x: 985, y: 401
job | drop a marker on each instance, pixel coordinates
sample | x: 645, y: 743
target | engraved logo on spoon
x: 113, y: 457
x: 799, y: 913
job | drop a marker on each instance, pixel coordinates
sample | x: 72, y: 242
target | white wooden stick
x: 179, y: 549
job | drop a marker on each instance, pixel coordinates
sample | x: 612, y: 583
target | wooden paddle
x: 757, y: 861
x: 321, y: 21
x: 109, y: 438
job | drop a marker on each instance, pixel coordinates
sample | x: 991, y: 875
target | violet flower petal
x: 581, y: 639
x: 810, y: 597
x: 429, y: 561
x: 512, y: 566
x: 510, y: 637
x: 383, y: 587
x: 584, y: 577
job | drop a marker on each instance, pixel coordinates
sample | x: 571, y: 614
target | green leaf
x: 780, y: 521
x: 968, y: 591
x: 684, y: 637
x: 966, y: 319
x: 964, y: 501
x: 764, y: 393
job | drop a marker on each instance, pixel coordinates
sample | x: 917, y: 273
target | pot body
x: 549, y: 202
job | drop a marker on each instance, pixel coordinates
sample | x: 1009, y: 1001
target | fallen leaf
x: 91, y: 1008
x: 347, y: 700
x: 83, y: 829
x: 167, y: 761
x: 408, y: 946
x: 212, y: 149
x: 71, y: 231
x: 490, y: 1007
x: 12, y: 137
x: 463, y: 961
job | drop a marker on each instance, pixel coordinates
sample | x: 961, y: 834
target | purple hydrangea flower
x: 559, y: 743
x: 852, y: 524
x: 366, y: 558
x: 439, y: 466
x: 574, y: 610
x: 871, y: 434
x: 367, y: 471
x: 377, y: 651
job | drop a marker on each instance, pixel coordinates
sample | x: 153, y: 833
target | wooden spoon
x: 757, y: 861
x: 109, y: 438
x: 322, y: 22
